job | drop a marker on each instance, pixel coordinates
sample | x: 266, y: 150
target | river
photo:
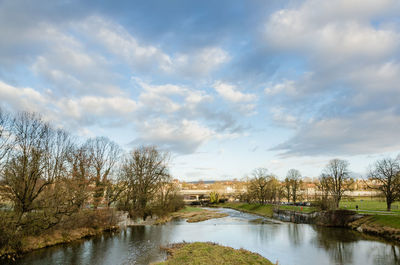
x: 288, y: 243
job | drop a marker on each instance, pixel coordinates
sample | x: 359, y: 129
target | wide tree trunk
x: 389, y: 206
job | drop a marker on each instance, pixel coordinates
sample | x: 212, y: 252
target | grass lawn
x: 305, y: 209
x: 266, y: 209
x: 392, y: 221
x: 210, y: 254
x: 368, y: 204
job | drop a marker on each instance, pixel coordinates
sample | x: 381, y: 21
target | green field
x: 368, y: 205
x: 265, y: 209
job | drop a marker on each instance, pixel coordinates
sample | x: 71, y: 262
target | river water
x: 287, y: 243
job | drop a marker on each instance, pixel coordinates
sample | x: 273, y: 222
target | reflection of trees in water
x: 385, y: 254
x: 295, y: 231
x: 145, y: 243
x: 337, y: 242
x: 265, y: 232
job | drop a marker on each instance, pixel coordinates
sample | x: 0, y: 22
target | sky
x: 225, y: 86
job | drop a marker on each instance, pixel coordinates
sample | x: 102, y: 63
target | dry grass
x: 194, y: 214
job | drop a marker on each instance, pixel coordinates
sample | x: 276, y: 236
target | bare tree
x: 386, y: 172
x: 36, y: 160
x: 259, y: 184
x: 144, y: 171
x: 288, y: 189
x: 105, y: 154
x: 5, y: 136
x: 294, y: 178
x: 336, y: 179
x: 79, y: 175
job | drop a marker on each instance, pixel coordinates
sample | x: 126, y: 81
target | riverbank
x: 210, y: 254
x: 122, y: 220
x: 192, y: 215
x: 384, y: 226
x: 57, y: 237
x: 265, y: 210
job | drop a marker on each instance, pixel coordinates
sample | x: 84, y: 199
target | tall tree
x: 259, y: 184
x: 288, y: 189
x: 80, y: 161
x: 144, y: 171
x: 36, y: 161
x: 6, y: 122
x: 105, y: 154
x: 295, y: 181
x: 336, y: 179
x: 386, y: 174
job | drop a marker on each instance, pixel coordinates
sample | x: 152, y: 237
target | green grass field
x: 369, y: 205
x: 392, y: 221
x: 266, y: 209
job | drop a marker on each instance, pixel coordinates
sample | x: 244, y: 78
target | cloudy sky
x: 226, y: 86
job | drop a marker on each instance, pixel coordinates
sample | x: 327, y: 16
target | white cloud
x: 282, y: 117
x: 145, y: 57
x: 183, y: 137
x: 333, y: 31
x: 21, y: 98
x: 200, y: 62
x: 120, y: 42
x: 349, y: 91
x: 363, y: 133
x: 230, y: 93
x: 67, y: 111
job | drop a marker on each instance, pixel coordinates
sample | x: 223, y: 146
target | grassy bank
x: 210, y: 254
x: 387, y: 226
x: 369, y: 205
x: 265, y: 210
x: 378, y: 224
x: 82, y: 224
x: 56, y: 237
x: 195, y: 214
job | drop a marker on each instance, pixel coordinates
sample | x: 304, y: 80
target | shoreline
x: 58, y: 237
x: 364, y: 224
x: 55, y: 238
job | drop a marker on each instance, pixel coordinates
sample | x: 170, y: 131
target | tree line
x: 48, y: 178
x: 335, y: 179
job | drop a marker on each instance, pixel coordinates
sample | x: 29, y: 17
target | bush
x: 9, y: 237
x: 100, y: 218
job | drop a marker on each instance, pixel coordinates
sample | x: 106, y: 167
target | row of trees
x: 47, y: 175
x: 333, y: 182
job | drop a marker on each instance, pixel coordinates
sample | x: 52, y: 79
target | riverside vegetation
x: 55, y: 188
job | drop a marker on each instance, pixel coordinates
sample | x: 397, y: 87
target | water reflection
x: 295, y: 234
x: 337, y: 242
x: 385, y: 256
x: 286, y: 242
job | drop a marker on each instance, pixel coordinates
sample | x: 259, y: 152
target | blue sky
x: 225, y: 86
